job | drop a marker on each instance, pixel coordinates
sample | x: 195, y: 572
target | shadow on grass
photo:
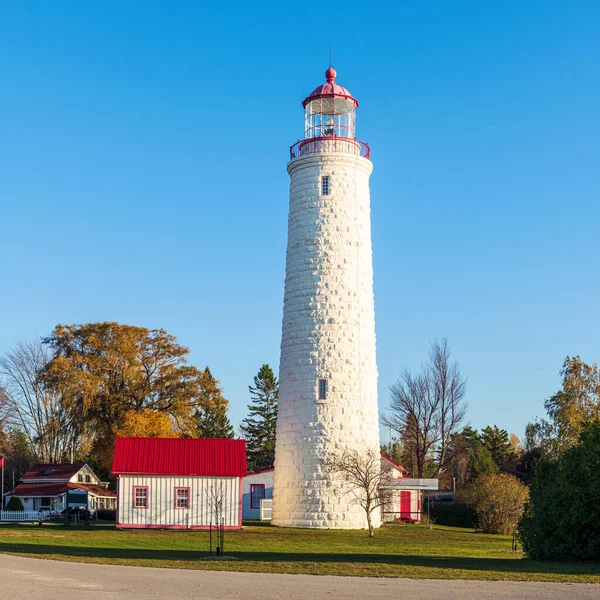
x: 97, y: 526
x: 505, y: 565
x: 252, y: 523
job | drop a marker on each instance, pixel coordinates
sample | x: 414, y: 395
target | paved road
x: 27, y: 578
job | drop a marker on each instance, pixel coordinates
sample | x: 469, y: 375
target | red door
x: 405, y: 498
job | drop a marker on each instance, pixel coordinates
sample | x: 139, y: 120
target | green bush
x: 451, y: 514
x: 107, y: 515
x: 498, y: 501
x: 562, y: 518
x: 14, y: 504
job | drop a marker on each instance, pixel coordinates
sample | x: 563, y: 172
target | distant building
x: 177, y: 483
x: 256, y: 487
x: 45, y: 487
x: 405, y: 504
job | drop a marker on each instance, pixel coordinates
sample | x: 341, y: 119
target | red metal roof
x: 97, y: 490
x: 261, y: 471
x: 25, y: 490
x: 331, y: 89
x: 28, y: 490
x: 180, y: 456
x: 53, y: 471
x: 396, y: 464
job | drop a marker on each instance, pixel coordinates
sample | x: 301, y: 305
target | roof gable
x: 83, y: 473
x: 394, y: 463
x: 180, y: 456
x: 53, y: 471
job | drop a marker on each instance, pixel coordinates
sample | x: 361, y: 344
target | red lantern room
x: 330, y: 121
x: 330, y: 110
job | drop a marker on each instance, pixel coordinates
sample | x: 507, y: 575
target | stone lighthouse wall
x: 328, y: 333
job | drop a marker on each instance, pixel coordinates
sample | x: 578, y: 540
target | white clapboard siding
x: 161, y: 511
x: 415, y: 505
x: 392, y: 509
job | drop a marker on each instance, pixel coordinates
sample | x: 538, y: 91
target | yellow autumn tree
x: 143, y: 423
x: 103, y: 371
x: 146, y: 423
x: 577, y: 403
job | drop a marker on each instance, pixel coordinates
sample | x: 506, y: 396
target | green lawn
x: 396, y: 551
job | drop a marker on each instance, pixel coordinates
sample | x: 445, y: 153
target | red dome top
x: 330, y: 89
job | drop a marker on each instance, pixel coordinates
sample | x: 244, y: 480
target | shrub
x: 562, y: 518
x: 498, y: 501
x: 107, y: 515
x: 14, y: 504
x: 451, y: 514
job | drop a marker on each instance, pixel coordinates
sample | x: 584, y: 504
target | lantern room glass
x: 330, y: 117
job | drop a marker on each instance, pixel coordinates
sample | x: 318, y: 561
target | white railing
x: 17, y: 516
x: 266, y: 509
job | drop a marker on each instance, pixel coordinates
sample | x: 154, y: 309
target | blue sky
x: 143, y: 178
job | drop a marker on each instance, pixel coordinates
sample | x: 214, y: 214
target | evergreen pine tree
x: 498, y: 443
x: 259, y: 427
x: 212, y: 421
x: 213, y: 424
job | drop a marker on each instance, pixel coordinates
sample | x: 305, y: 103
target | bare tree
x: 364, y: 479
x: 428, y: 408
x: 31, y: 406
x: 449, y: 388
x: 413, y: 408
x: 216, y: 500
x: 4, y: 405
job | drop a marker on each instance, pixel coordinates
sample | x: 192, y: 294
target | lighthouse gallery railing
x: 330, y: 144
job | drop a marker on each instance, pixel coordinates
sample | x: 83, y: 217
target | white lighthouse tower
x: 328, y: 371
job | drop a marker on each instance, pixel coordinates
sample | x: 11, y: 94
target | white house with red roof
x: 179, y: 483
x: 405, y: 503
x: 45, y: 487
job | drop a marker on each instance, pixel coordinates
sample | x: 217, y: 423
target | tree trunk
x: 370, y: 525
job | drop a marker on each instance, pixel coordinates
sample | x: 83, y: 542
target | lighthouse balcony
x: 317, y: 145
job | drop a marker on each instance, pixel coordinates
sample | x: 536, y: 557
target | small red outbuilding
x: 180, y: 483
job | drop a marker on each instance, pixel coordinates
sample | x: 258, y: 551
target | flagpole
x: 2, y: 494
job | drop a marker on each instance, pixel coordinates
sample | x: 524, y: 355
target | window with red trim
x: 182, y: 497
x: 140, y: 496
x: 257, y: 493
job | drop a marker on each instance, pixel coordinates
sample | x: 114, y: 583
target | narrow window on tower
x: 325, y: 185
x: 322, y: 389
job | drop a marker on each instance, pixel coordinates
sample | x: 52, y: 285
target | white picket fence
x: 266, y: 509
x: 18, y: 516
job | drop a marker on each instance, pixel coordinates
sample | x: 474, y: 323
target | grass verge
x: 396, y: 551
